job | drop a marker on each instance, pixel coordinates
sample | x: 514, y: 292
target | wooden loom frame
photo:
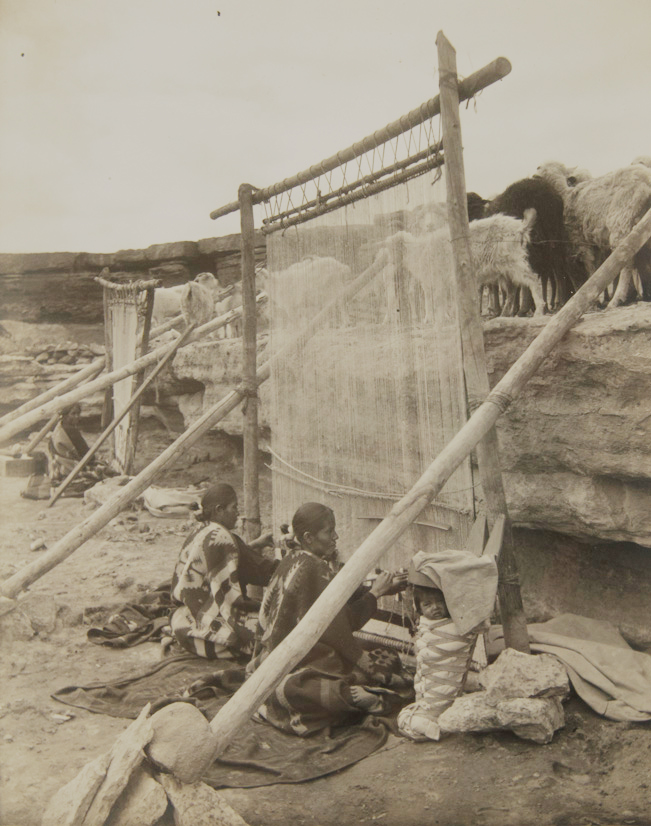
x: 115, y: 292
x: 452, y: 92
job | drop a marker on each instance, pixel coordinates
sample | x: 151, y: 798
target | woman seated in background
x: 337, y: 681
x: 216, y: 618
x: 66, y: 447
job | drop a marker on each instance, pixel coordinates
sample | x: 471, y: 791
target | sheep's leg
x: 526, y: 301
x: 623, y: 288
x: 529, y: 279
x: 493, y: 300
x: 509, y: 304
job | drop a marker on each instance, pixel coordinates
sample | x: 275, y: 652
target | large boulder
x: 575, y: 446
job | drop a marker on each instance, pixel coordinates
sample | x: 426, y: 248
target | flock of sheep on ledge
x: 539, y: 240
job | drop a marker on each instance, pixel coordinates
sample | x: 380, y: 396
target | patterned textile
x: 319, y: 692
x: 66, y: 448
x: 210, y: 580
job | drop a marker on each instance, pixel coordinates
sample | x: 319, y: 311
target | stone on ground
x: 197, y: 804
x: 528, y: 718
x: 142, y: 803
x: 514, y: 674
x: 183, y: 742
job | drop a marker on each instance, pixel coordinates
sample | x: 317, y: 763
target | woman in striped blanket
x: 337, y: 682
x: 216, y: 618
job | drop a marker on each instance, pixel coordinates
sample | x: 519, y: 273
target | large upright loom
x: 376, y: 354
x: 378, y: 389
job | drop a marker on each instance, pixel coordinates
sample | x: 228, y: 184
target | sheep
x: 167, y: 303
x: 476, y: 206
x: 167, y: 300
x: 229, y: 299
x: 296, y: 294
x: 643, y: 160
x: 197, y: 303
x: 600, y: 212
x: 498, y: 247
x: 548, y: 247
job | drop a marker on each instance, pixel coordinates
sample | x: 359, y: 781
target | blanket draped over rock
x: 605, y: 672
x: 320, y: 691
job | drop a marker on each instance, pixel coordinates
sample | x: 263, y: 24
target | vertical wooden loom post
x: 251, y: 502
x: 144, y: 308
x: 472, y: 342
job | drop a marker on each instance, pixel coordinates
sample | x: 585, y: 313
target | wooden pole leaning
x: 90, y: 371
x: 117, y: 419
x: 295, y: 646
x: 90, y: 526
x: 61, y: 402
x: 42, y: 433
x: 469, y: 86
x: 472, y: 344
x: 251, y: 499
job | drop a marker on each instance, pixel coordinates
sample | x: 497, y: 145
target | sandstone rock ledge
x: 575, y: 446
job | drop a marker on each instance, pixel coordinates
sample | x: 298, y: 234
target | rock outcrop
x: 59, y: 287
x: 575, y: 446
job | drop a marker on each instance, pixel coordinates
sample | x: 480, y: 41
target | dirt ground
x: 593, y: 772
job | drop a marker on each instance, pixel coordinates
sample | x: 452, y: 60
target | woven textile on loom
x: 125, y: 313
x: 361, y: 410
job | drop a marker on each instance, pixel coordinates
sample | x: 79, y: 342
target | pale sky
x: 124, y: 123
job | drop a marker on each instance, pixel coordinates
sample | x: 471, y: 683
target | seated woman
x: 66, y: 447
x: 216, y: 618
x: 337, y: 681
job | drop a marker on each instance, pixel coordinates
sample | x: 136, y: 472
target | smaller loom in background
x: 128, y: 308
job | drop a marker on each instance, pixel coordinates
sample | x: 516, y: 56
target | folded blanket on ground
x: 608, y: 675
x: 260, y: 755
x: 136, y: 622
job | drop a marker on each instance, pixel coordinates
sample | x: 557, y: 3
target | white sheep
x: 229, y: 299
x: 299, y: 292
x: 498, y: 246
x: 167, y: 303
x: 197, y: 303
x: 167, y: 300
x: 599, y: 214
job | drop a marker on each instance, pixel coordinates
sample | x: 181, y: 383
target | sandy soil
x: 594, y: 771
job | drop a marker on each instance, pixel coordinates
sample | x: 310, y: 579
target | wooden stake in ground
x: 251, y: 499
x: 472, y: 343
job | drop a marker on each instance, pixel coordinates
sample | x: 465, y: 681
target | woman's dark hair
x: 219, y: 495
x: 312, y: 516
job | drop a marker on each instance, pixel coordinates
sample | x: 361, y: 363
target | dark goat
x: 548, y: 249
x: 476, y: 206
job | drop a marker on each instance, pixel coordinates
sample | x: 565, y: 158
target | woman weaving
x: 216, y: 618
x: 337, y: 681
x: 66, y: 447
